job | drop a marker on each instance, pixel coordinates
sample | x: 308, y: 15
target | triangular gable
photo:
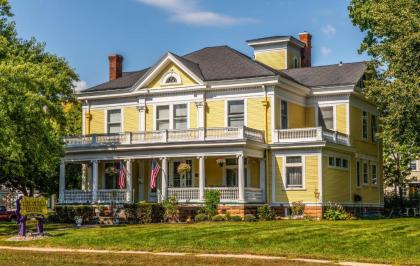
x: 169, y: 63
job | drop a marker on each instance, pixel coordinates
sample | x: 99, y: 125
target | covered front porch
x: 240, y: 178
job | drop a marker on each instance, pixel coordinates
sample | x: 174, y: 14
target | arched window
x: 171, y: 78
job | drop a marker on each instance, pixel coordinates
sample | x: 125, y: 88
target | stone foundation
x: 315, y: 212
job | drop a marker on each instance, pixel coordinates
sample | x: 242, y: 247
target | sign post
x: 27, y: 207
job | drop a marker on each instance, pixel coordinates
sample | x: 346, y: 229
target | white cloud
x: 328, y: 30
x: 325, y: 50
x: 79, y: 85
x: 188, y: 12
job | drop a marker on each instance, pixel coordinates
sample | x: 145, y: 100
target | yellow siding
x: 363, y: 146
x: 215, y: 114
x: 97, y: 123
x: 336, y: 183
x: 131, y: 119
x: 275, y: 58
x: 310, y: 117
x: 311, y: 181
x: 214, y: 173
x: 256, y: 115
x: 296, y: 115
x: 290, y: 56
x: 254, y: 167
x: 341, y: 118
x: 185, y: 78
x: 149, y: 118
x: 193, y: 116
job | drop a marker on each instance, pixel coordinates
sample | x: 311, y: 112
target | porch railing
x: 112, y: 195
x: 296, y: 135
x: 165, y: 136
x: 77, y: 196
x: 227, y: 194
x: 102, y: 196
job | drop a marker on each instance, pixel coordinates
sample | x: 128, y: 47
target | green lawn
x: 387, y: 240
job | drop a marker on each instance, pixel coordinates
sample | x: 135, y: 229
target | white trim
x: 348, y: 118
x: 169, y: 74
x: 172, y: 169
x: 359, y: 177
x: 371, y: 172
x: 106, y: 110
x: 334, y: 106
x: 367, y: 126
x: 284, y: 177
x: 226, y: 105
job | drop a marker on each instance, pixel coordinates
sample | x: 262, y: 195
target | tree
x: 34, y: 87
x: 393, y: 41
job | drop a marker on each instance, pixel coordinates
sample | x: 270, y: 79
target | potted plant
x: 183, y: 168
x: 78, y: 220
x: 220, y: 161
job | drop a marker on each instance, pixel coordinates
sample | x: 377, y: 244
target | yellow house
x: 267, y: 129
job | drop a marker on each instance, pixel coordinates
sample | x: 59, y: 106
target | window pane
x: 231, y: 162
x: 283, y: 107
x: 365, y: 125
x: 114, y: 116
x: 114, y: 128
x: 345, y: 163
x: 331, y: 161
x: 358, y: 173
x: 236, y: 107
x: 365, y: 173
x: 326, y: 117
x: 413, y: 165
x: 293, y: 159
x: 236, y: 121
x: 374, y: 174
x: 231, y: 177
x: 338, y: 162
x: 164, y: 124
x: 294, y: 176
x: 180, y: 123
x: 180, y: 110
x: 373, y: 127
x: 162, y: 112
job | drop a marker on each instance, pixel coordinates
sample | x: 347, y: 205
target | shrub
x: 298, y: 208
x: 170, y: 206
x: 265, y: 213
x: 132, y: 212
x: 218, y: 218
x: 335, y: 211
x: 249, y: 218
x: 236, y: 218
x: 212, y: 199
x: 150, y: 213
x: 66, y: 213
x: 228, y: 217
x: 201, y: 217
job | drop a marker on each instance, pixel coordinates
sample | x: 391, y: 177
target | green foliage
x: 212, y: 199
x: 392, y: 40
x: 170, y: 205
x: 235, y: 218
x: 201, y: 217
x: 249, y: 218
x: 218, y: 218
x: 298, y: 208
x: 265, y: 213
x: 335, y: 211
x: 35, y: 85
x: 228, y: 216
x: 66, y: 213
x: 145, y: 213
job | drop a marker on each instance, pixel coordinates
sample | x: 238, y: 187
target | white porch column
x: 241, y: 179
x: 129, y: 181
x: 142, y: 114
x: 164, y: 178
x: 201, y: 180
x: 62, y: 181
x: 84, y: 177
x: 262, y: 178
x: 95, y: 181
x: 201, y: 113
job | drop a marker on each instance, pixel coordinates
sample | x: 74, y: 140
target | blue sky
x: 85, y: 32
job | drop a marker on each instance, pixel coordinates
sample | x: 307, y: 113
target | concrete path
x: 233, y: 256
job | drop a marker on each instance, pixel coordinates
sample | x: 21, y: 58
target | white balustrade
x: 76, y: 196
x: 227, y: 194
x: 185, y: 194
x: 112, y: 195
x: 296, y: 135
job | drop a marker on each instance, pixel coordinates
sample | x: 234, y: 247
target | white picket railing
x: 185, y: 194
x: 227, y: 194
x: 296, y: 135
x: 112, y: 195
x: 165, y: 136
x: 76, y: 196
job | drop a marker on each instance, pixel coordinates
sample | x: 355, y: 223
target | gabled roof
x: 329, y: 75
x: 127, y: 80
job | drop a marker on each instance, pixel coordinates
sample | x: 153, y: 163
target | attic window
x: 171, y: 78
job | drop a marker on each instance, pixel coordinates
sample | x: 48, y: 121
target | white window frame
x: 121, y: 119
x: 374, y: 137
x: 334, y: 115
x: 376, y: 174
x: 416, y: 162
x: 171, y: 114
x: 334, y: 165
x: 227, y: 111
x: 367, y: 125
x: 302, y: 164
x: 247, y: 169
x: 168, y: 75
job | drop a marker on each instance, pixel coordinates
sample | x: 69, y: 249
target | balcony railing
x: 299, y: 135
x: 166, y: 136
x: 227, y: 194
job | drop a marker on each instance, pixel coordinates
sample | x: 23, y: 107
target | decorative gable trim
x: 155, y: 70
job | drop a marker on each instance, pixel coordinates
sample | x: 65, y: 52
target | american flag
x: 121, y: 176
x: 154, y: 173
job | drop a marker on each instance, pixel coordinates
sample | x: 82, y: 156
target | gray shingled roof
x: 225, y: 63
x: 330, y: 75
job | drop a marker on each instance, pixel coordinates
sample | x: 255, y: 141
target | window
x: 374, y: 174
x: 374, y: 127
x: 171, y: 78
x: 414, y: 166
x: 358, y: 173
x: 182, y: 180
x: 180, y: 116
x: 331, y: 161
x: 295, y: 62
x: 114, y: 121
x: 345, y: 163
x: 236, y: 113
x: 294, y: 172
x: 365, y: 173
x: 365, y: 125
x: 232, y: 172
x: 283, y: 114
x: 338, y: 162
x: 162, y: 117
x: 326, y: 117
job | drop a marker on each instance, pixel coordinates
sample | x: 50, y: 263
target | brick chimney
x: 306, y: 38
x: 115, y: 66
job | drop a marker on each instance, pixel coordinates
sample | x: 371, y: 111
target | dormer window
x: 171, y: 78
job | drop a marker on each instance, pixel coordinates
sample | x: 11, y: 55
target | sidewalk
x: 235, y: 256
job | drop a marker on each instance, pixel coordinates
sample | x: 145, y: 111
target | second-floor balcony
x: 166, y: 136
x: 313, y: 134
